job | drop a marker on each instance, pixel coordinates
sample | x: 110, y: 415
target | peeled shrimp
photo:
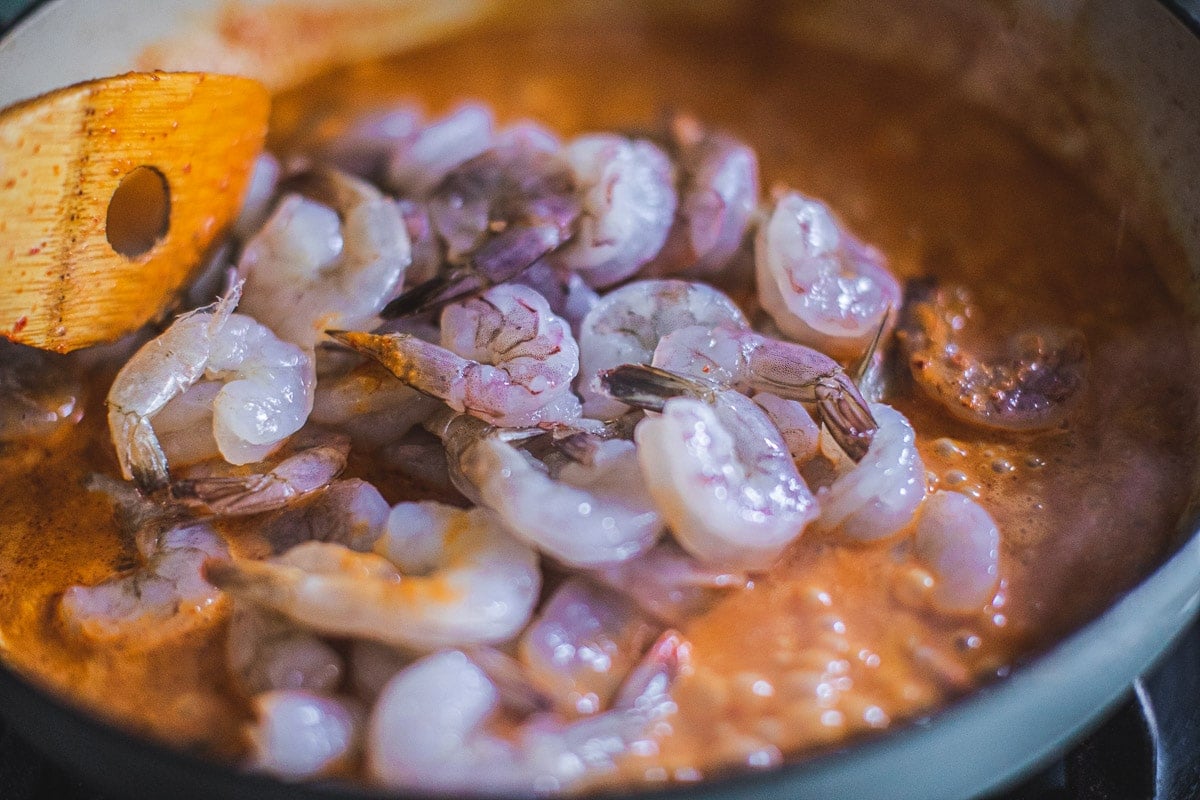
x: 626, y: 325
x: 298, y: 734
x: 628, y: 207
x: 429, y: 729
x: 822, y: 286
x: 421, y: 159
x: 718, y: 195
x: 370, y: 405
x: 438, y: 577
x: 333, y: 264
x: 740, y: 358
x: 497, y: 215
x: 582, y: 645
x: 717, y: 467
x: 669, y: 584
x: 879, y: 495
x: 266, y: 651
x: 959, y: 543
x: 349, y: 512
x: 505, y: 358
x: 1032, y: 386
x: 266, y: 396
x: 165, y: 595
x: 313, y: 459
x: 587, y: 515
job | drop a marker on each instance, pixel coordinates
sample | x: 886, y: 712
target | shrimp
x: 718, y: 195
x: 718, y: 469
x: 822, y: 286
x: 366, y: 145
x: 297, y: 734
x: 349, y: 512
x: 313, y: 459
x: 958, y: 541
x: 505, y: 358
x: 165, y: 595
x: 879, y: 495
x: 420, y: 160
x: 628, y: 206
x: 626, y: 325
x: 800, y: 432
x: 586, y: 515
x: 438, y: 577
x: 582, y: 644
x: 329, y: 262
x: 266, y: 396
x: 267, y: 652
x: 429, y: 730
x: 740, y: 358
x: 497, y: 215
x: 669, y: 584
x: 370, y: 405
x: 1030, y: 387
x: 39, y: 394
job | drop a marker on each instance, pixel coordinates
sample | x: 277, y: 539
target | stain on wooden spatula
x: 111, y: 194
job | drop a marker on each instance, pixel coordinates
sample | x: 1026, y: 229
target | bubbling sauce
x: 835, y: 641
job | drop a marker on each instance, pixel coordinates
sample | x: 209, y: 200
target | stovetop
x: 1149, y: 749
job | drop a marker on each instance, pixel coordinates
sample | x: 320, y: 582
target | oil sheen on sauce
x: 836, y: 640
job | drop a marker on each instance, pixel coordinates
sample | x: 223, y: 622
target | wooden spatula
x: 111, y: 192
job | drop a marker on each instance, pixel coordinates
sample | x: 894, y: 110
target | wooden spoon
x: 111, y: 194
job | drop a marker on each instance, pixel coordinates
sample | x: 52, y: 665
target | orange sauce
x: 836, y: 640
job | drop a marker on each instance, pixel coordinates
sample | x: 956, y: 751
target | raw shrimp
x: 266, y: 651
x: 505, y: 358
x: 429, y: 729
x: 165, y: 595
x: 669, y: 584
x: 333, y: 261
x: 366, y: 145
x: 717, y: 467
x: 312, y: 459
x: 799, y: 430
x: 497, y: 215
x: 39, y: 395
x: 438, y: 577
x: 628, y: 206
x: 740, y: 358
x: 420, y: 160
x: 718, y: 195
x: 878, y: 496
x: 822, y: 286
x: 582, y: 645
x: 298, y: 734
x: 586, y: 515
x: 266, y: 397
x: 349, y: 512
x: 369, y: 404
x: 959, y: 543
x: 1031, y: 386
x: 626, y: 325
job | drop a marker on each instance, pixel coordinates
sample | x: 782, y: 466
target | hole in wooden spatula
x: 139, y: 212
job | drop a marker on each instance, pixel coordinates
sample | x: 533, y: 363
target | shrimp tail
x: 846, y: 414
x: 138, y: 451
x: 227, y: 496
x: 649, y: 388
x: 500, y: 259
x: 429, y: 369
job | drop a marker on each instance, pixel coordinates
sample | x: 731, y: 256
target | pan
x: 1113, y: 84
